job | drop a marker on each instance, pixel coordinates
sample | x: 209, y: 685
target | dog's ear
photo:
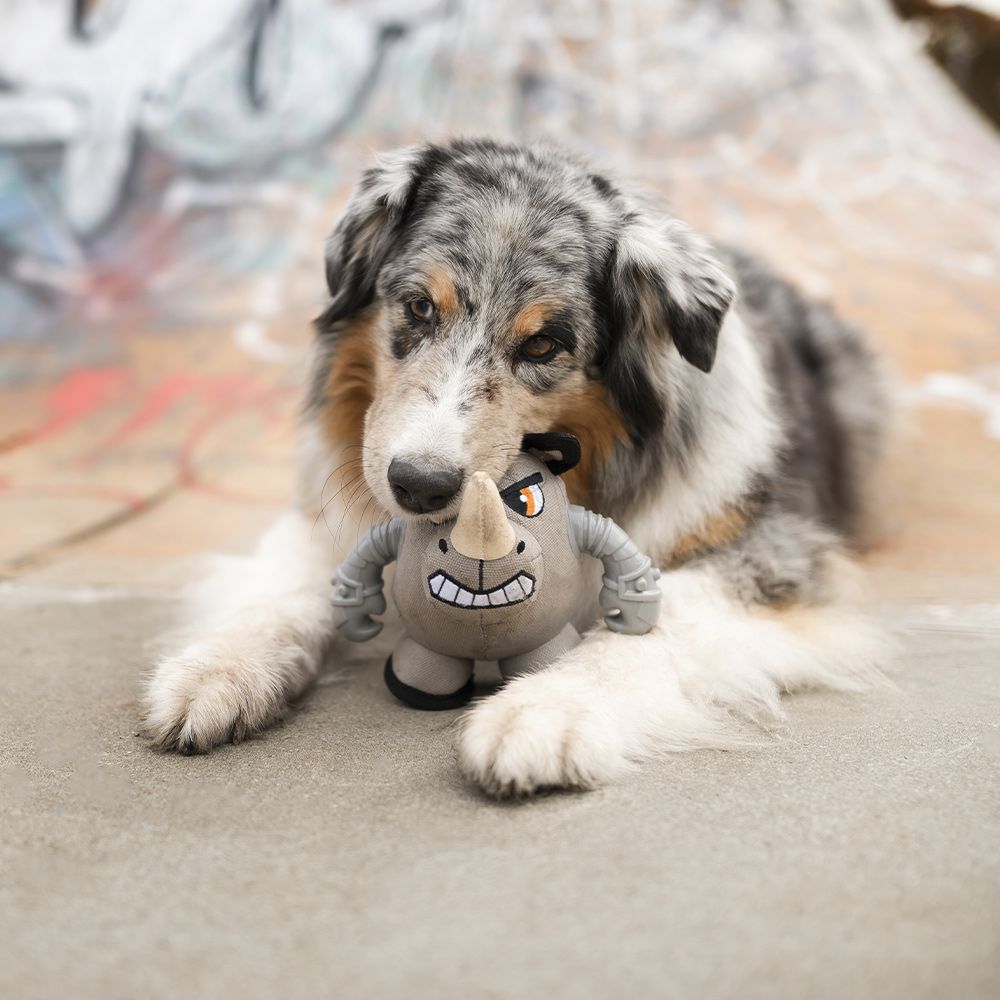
x: 375, y: 215
x: 666, y: 280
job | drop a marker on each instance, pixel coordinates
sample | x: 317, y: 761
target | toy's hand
x: 631, y: 605
x: 354, y: 604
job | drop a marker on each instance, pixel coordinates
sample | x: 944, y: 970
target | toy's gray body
x: 514, y: 607
x: 496, y: 618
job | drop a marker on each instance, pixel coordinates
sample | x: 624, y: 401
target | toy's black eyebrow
x: 531, y: 480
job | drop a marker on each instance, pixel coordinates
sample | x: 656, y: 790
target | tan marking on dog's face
x: 350, y: 388
x: 531, y: 319
x: 719, y: 530
x: 441, y: 288
x: 350, y: 381
x: 587, y: 412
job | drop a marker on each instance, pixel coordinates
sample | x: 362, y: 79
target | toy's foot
x: 424, y: 679
x: 416, y: 698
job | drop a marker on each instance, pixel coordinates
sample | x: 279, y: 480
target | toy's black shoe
x: 421, y: 699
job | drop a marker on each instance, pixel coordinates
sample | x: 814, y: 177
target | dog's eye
x: 422, y: 310
x: 538, y: 348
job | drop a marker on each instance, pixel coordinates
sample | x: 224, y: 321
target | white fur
x: 394, y: 174
x: 419, y: 417
x: 708, y: 666
x: 264, y: 623
x: 257, y: 628
x: 427, y: 427
x: 739, y: 437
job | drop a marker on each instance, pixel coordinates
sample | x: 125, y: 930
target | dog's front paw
x: 206, y: 696
x: 542, y: 731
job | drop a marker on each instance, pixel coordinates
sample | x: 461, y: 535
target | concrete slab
x: 341, y: 855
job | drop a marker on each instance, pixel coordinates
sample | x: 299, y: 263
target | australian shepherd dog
x: 480, y: 292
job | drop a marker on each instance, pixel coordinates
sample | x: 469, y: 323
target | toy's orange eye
x: 532, y: 499
x: 526, y: 497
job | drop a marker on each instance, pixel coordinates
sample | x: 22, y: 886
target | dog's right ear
x: 666, y: 279
x: 375, y: 215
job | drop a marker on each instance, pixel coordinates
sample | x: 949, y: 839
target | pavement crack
x: 44, y: 553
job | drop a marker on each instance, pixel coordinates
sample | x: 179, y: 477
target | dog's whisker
x: 349, y: 485
x: 334, y: 471
x: 372, y: 502
x: 322, y: 510
x: 355, y: 496
x: 335, y: 535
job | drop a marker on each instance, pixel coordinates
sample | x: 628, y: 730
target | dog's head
x: 481, y: 292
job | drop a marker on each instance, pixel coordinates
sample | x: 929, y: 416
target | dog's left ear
x: 665, y: 279
x: 374, y: 217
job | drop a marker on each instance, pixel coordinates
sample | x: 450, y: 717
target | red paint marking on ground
x: 216, y: 390
x: 75, y: 491
x: 84, y: 392
x: 69, y: 401
x: 265, y: 403
x: 236, y: 496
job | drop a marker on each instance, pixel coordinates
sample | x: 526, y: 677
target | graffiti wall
x: 168, y: 173
x: 126, y: 124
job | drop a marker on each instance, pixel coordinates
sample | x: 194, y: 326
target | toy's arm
x: 357, y: 587
x: 630, y: 597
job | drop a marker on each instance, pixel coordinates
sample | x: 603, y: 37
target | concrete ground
x: 341, y: 855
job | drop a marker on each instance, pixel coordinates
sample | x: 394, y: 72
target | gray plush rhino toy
x: 500, y: 582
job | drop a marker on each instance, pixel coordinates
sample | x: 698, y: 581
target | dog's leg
x: 617, y: 698
x: 262, y: 624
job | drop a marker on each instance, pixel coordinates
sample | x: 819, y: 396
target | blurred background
x: 168, y: 172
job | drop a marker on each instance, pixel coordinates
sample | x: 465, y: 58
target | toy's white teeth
x: 517, y: 589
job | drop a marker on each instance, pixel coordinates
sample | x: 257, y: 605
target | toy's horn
x: 482, y: 530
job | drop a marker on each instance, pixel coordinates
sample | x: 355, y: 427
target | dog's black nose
x: 422, y: 489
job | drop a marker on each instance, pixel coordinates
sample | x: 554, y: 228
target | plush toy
x: 500, y: 582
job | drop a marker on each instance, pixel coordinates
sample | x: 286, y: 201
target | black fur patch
x: 622, y: 364
x: 560, y: 329
x: 407, y: 337
x: 603, y: 185
x: 694, y: 331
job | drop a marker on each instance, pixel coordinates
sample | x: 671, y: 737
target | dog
x: 482, y: 291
